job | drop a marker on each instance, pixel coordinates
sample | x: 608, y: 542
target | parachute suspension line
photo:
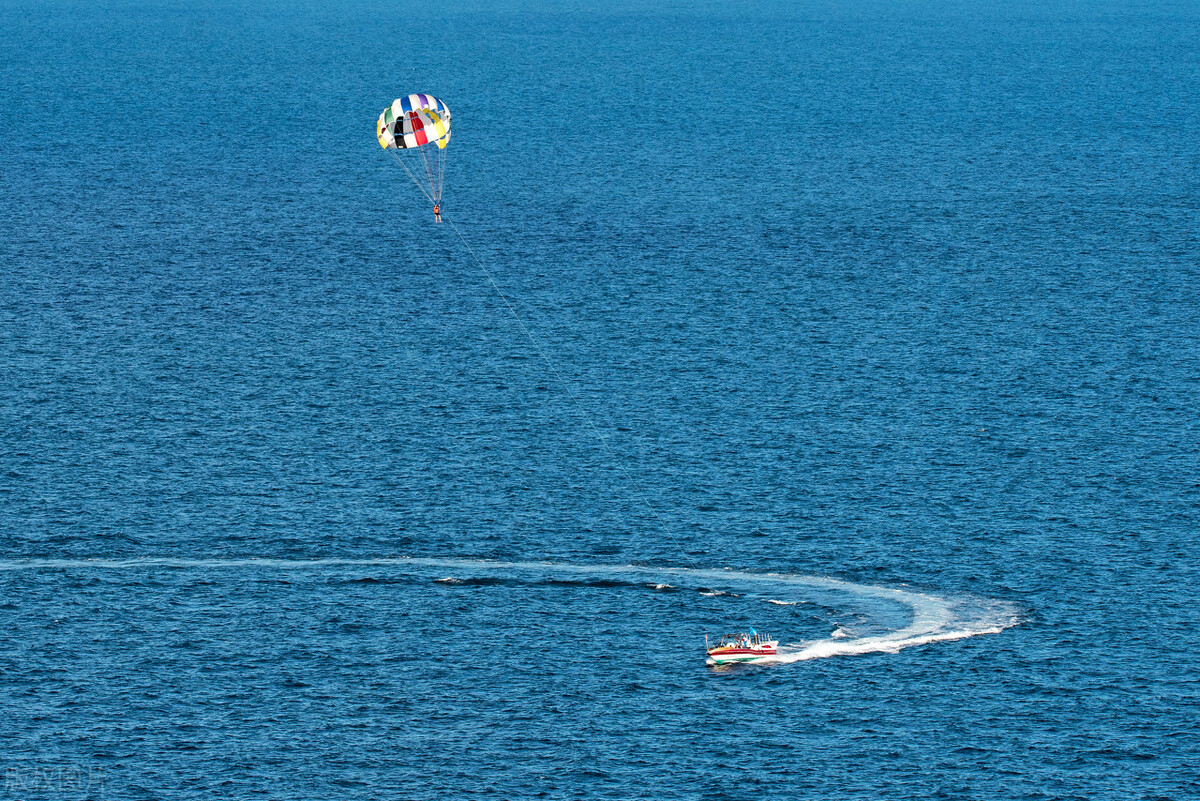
x: 436, y: 193
x: 395, y: 152
x: 440, y: 157
x: 583, y: 410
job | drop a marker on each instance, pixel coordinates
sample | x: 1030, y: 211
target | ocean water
x: 885, y: 314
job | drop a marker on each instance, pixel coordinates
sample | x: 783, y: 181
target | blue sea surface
x: 900, y: 295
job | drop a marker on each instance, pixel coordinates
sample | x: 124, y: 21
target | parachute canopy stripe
x: 417, y: 102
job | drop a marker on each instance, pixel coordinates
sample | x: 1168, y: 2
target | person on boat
x: 437, y: 211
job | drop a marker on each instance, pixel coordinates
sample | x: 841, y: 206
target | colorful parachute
x: 416, y: 130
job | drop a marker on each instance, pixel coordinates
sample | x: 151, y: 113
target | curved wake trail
x: 897, y: 618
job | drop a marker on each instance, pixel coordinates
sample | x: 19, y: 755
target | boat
x: 741, y: 647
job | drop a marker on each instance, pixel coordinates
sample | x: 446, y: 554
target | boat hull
x: 731, y: 656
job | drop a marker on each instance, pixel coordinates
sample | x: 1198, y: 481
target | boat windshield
x: 741, y: 640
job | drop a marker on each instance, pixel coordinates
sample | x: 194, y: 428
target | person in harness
x: 437, y: 211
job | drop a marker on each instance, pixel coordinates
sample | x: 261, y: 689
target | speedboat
x: 748, y: 647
